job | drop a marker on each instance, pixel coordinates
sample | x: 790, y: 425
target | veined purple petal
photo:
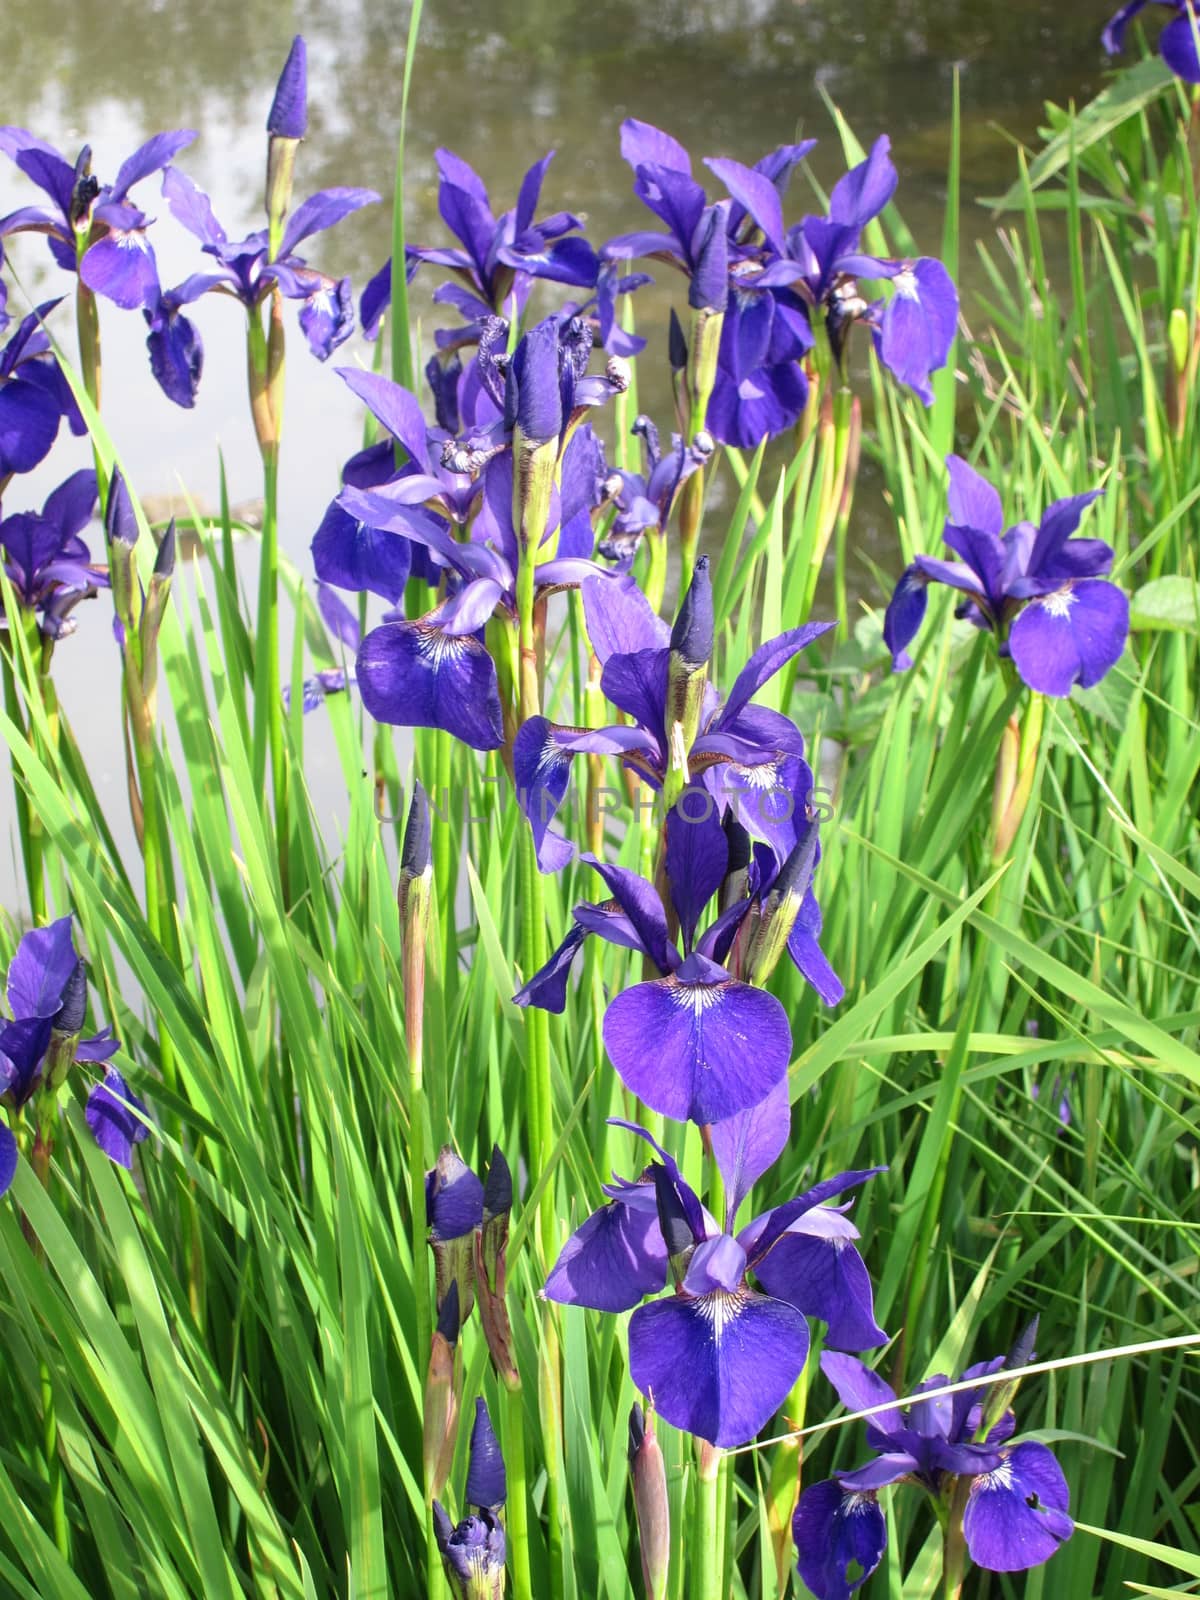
x: 327, y: 315
x: 101, y: 1046
x: 322, y: 210
x: 121, y: 266
x: 620, y: 618
x: 858, y: 1388
x: 709, y: 287
x: 642, y: 143
x: 37, y: 975
x: 468, y: 609
x: 338, y: 617
x: 393, y: 406
x: 718, y: 1366
x: 918, y: 325
x: 288, y: 116
x: 29, y: 419
x: 8, y: 1158
x: 415, y: 675
x: 674, y: 198
x: 1113, y: 37
x: 1059, y: 522
x: 756, y: 194
x: 612, y: 1262
x: 811, y: 961
x: 176, y: 353
x: 640, y: 903
x: 866, y: 188
x: 113, y: 1116
x: 1071, y: 636
x: 823, y: 1275
x: 782, y: 1217
x: 696, y: 859
x: 837, y: 1532
x: 350, y: 555
x: 150, y: 157
x: 973, y: 502
x: 887, y: 1468
x: 904, y: 615
x: 191, y: 207
x: 627, y: 246
x: 766, y: 661
x: 698, y: 1047
x: 636, y: 683
x: 747, y: 1144
x: 758, y: 407
x: 547, y: 988
x: 1177, y: 46
x: 1016, y: 1515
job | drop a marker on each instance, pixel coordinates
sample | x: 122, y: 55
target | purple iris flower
x: 1016, y: 1509
x: 644, y: 500
x: 474, y: 1550
x: 821, y: 260
x: 1040, y: 590
x: 698, y: 1011
x: 47, y: 995
x: 248, y: 272
x: 34, y: 396
x: 47, y: 563
x: 96, y: 228
x: 436, y: 671
x: 1176, y: 43
x: 744, y: 755
x: 720, y: 1355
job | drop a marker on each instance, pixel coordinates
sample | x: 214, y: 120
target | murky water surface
x: 500, y: 83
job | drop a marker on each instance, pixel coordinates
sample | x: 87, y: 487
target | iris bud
x: 414, y: 898
x: 1001, y: 1395
x: 651, y: 1504
x: 287, y: 123
x: 67, y: 1026
x: 691, y: 647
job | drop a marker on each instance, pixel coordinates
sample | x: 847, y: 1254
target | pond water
x: 500, y: 83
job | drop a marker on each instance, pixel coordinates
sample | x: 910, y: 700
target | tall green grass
x: 231, y: 1336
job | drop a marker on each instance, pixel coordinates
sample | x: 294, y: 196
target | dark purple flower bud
x: 84, y: 188
x: 164, y: 561
x: 487, y: 1486
x: 709, y: 288
x: 692, y: 635
x: 120, y: 523
x: 288, y: 116
x: 673, y: 1221
x: 68, y: 1019
x: 1001, y: 1395
x: 416, y: 855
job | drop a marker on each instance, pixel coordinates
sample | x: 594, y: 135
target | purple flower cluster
x: 47, y: 996
x: 1176, y: 42
x: 1014, y: 1507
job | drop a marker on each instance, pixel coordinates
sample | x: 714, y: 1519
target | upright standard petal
x: 719, y: 1365
x: 350, y: 555
x: 698, y: 1045
x: 973, y: 502
x: 816, y: 1268
x: 415, y: 675
x: 40, y: 969
x: 697, y: 857
x: 747, y: 1144
x: 1016, y: 1515
x: 1071, y: 636
x: 840, y: 1538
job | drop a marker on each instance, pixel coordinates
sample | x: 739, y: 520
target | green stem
x: 54, y: 1472
x: 706, y: 1537
x: 87, y: 328
x: 954, y: 1546
x: 30, y: 856
x: 516, y: 1527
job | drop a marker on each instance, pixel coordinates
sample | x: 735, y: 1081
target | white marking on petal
x: 858, y: 1502
x: 719, y: 1308
x: 1000, y: 1477
x: 905, y: 284
x: 135, y: 239
x: 1060, y: 602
